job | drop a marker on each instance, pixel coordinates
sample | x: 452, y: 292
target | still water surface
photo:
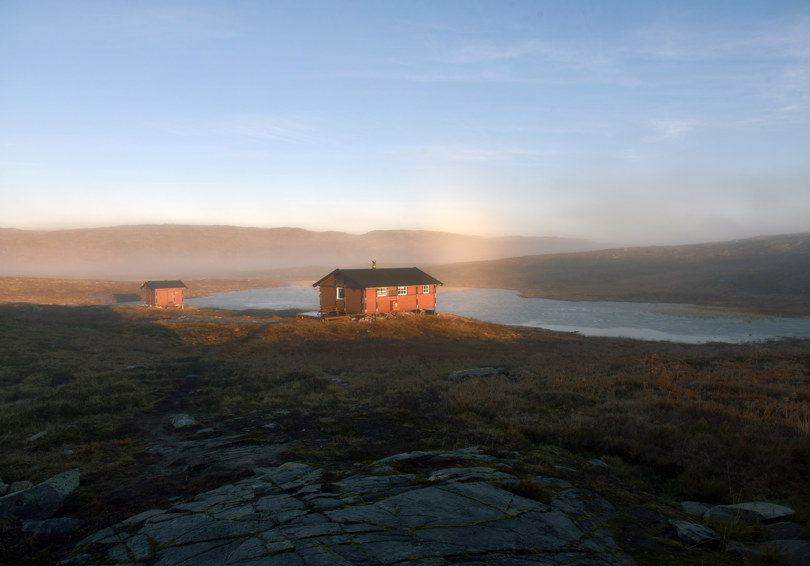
x: 645, y: 321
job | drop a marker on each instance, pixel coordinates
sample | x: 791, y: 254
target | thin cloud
x: 797, y: 80
x: 471, y: 153
x: 167, y: 23
x: 248, y: 127
x: 671, y: 128
x: 568, y: 54
x: 478, y: 75
x: 682, y: 44
x: 529, y: 61
x: 472, y: 54
x: 774, y: 41
x: 791, y: 39
x: 268, y: 128
x: 769, y: 63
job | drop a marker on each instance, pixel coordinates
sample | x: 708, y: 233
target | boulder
x: 43, y: 500
x: 784, y: 530
x: 768, y: 511
x: 694, y: 534
x: 37, y: 436
x: 19, y: 485
x: 182, y: 420
x: 746, y: 552
x: 696, y: 507
x: 750, y: 512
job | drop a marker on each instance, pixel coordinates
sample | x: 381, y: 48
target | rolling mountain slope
x: 770, y: 274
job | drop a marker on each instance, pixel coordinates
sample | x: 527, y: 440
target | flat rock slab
x: 52, y: 528
x: 290, y: 515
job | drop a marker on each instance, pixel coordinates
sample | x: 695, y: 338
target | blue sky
x: 624, y: 122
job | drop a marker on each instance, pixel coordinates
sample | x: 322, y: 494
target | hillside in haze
x: 176, y: 251
x: 768, y: 273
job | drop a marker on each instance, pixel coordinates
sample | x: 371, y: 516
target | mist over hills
x: 182, y: 251
x: 767, y: 273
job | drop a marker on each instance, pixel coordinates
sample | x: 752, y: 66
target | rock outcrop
x: 463, y: 509
x: 419, y: 508
x: 463, y: 375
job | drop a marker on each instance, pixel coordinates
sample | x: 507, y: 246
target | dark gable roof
x: 382, y: 277
x: 164, y: 284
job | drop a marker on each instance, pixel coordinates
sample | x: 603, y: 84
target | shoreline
x: 61, y: 291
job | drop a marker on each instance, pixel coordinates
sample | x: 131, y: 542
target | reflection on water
x: 645, y: 321
x: 275, y: 298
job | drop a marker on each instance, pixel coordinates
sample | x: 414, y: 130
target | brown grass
x: 94, y: 292
x: 711, y: 421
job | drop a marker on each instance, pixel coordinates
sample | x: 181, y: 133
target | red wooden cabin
x: 374, y: 291
x: 163, y: 293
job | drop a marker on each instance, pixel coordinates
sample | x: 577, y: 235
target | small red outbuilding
x: 163, y: 293
x: 373, y: 291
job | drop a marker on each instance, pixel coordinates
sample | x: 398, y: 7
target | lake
x: 644, y: 321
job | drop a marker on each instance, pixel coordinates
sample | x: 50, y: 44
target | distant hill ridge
x: 171, y: 251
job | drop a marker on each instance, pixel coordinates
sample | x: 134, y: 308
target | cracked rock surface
x: 462, y: 512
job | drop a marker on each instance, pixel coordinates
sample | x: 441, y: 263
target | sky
x: 618, y: 121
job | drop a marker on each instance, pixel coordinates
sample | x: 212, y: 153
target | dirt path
x: 215, y: 450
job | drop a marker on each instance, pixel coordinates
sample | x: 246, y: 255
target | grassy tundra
x: 720, y: 423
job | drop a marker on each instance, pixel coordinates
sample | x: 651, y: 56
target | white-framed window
x: 401, y: 290
x: 340, y: 293
x: 425, y: 289
x: 382, y: 291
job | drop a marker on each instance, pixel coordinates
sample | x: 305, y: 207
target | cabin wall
x: 354, y: 300
x: 370, y: 296
x: 366, y: 301
x: 393, y: 302
x: 427, y: 300
x: 328, y: 294
x: 163, y: 297
x: 168, y: 297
